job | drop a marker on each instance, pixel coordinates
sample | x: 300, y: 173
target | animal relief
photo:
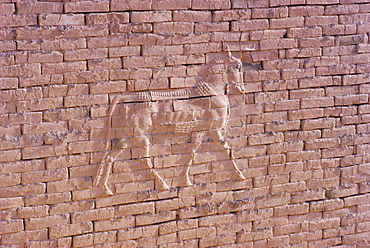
x: 135, y: 118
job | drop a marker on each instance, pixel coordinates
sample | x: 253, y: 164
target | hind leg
x: 147, y: 161
x: 196, y: 140
x: 217, y: 137
x: 103, y: 173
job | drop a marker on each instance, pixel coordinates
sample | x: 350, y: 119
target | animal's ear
x: 227, y: 49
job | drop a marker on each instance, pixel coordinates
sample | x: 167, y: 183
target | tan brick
x: 250, y: 25
x: 11, y: 203
x: 192, y: 16
x: 11, y: 226
x: 48, y: 221
x: 114, y: 224
x: 231, y: 15
x: 211, y: 4
x: 202, y: 27
x: 173, y: 28
x: 306, y: 11
x: 24, y: 236
x: 160, y: 16
x: 171, y: 5
x: 39, y: 8
x: 60, y: 19
x: 87, y: 6
x: 325, y: 41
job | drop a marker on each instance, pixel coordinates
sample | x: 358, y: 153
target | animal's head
x: 234, y: 72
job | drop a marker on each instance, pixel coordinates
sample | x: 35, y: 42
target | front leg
x: 220, y: 141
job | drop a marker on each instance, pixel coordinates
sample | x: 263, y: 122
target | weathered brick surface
x: 300, y: 133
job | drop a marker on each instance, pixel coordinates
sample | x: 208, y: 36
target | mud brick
x: 149, y: 39
x: 250, y: 25
x: 363, y: 48
x: 211, y: 4
x: 25, y: 236
x: 318, y: 124
x: 85, y: 54
x: 171, y: 5
x: 9, y: 156
x: 85, y: 31
x: 291, y: 22
x: 336, y: 132
x: 7, y: 46
x: 364, y: 109
x: 43, y: 152
x: 48, y: 221
x: 20, y: 70
x: 70, y: 229
x: 342, y: 91
x: 86, y: 6
x: 335, y: 70
x: 351, y: 99
x: 38, y: 33
x: 267, y: 34
x: 108, y: 41
x: 56, y: 68
x: 325, y: 2
x: 202, y: 27
x: 337, y: 152
x: 342, y: 9
x: 42, y: 128
x: 39, y: 7
x: 7, y: 8
x: 338, y: 50
x: 114, y: 224
x: 270, y: 13
x: 44, y: 176
x: 18, y: 20
x: 339, y: 29
x: 321, y: 20
x: 199, y: 48
x: 231, y: 15
x: 11, y: 203
x: 304, y: 32
x: 123, y: 5
x: 355, y: 59
x: 278, y: 44
x: 63, y: 44
x: 292, y: 209
x: 11, y: 226
x: 194, y: 16
x: 255, y: 76
x: 325, y: 41
x: 160, y: 16
x: 306, y: 11
x: 33, y: 212
x: 173, y: 28
x: 297, y: 73
x: 60, y: 19
x: 317, y: 102
x: 96, y: 214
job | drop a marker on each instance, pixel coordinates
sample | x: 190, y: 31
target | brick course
x: 300, y: 133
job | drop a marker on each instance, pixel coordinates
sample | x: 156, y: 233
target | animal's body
x: 201, y: 109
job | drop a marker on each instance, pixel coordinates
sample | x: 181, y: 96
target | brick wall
x: 300, y: 134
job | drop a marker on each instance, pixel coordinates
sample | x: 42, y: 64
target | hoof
x: 241, y: 176
x: 107, y: 191
x: 164, y: 186
x: 188, y: 183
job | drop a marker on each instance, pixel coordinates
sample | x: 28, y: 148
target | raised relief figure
x: 199, y: 110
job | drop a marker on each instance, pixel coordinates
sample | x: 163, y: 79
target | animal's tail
x: 102, y: 174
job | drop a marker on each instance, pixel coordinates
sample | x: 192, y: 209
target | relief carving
x: 196, y: 111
